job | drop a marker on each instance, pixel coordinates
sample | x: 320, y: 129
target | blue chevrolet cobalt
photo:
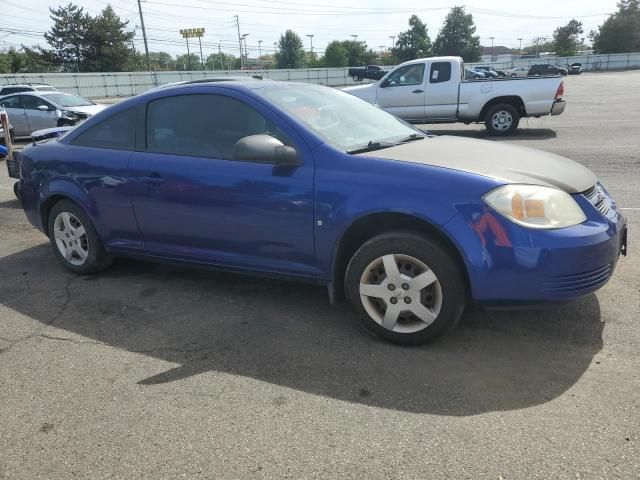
x: 312, y: 184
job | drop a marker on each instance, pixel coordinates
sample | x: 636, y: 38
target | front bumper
x: 509, y: 264
x: 558, y: 107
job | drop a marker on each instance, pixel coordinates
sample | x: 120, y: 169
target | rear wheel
x: 405, y: 287
x: 356, y: 78
x: 502, y: 119
x: 75, y: 241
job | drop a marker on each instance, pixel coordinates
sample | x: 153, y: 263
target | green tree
x: 182, y: 62
x: 620, y: 33
x: 108, y: 46
x: 25, y: 60
x: 414, y: 42
x: 290, y: 51
x: 222, y: 61
x: 68, y: 36
x: 358, y: 53
x: 457, y: 36
x: 336, y: 55
x: 566, y: 39
x: 161, y: 61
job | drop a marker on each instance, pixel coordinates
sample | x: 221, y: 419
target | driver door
x: 40, y: 113
x: 402, y: 92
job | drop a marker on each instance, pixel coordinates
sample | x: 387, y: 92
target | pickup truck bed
x: 432, y: 90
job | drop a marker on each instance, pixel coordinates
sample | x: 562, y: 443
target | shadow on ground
x: 288, y: 334
x: 520, y: 134
x: 13, y: 204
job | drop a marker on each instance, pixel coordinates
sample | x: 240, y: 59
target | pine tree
x: 457, y: 36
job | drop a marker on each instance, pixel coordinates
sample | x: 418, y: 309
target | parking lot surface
x: 156, y: 371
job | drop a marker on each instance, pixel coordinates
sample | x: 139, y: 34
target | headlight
x: 69, y: 115
x: 535, y: 206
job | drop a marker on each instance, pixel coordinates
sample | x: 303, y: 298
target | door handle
x: 154, y: 179
x: 418, y: 91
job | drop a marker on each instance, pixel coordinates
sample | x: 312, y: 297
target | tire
x: 87, y: 253
x: 439, y: 305
x: 356, y: 78
x: 513, y: 75
x: 502, y: 119
x: 16, y: 190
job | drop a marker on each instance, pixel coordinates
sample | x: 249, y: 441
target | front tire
x: 502, y: 119
x: 74, y: 239
x: 405, y: 287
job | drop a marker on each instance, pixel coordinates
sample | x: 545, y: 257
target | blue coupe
x: 310, y: 183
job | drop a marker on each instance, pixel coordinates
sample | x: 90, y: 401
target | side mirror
x: 43, y: 108
x: 384, y: 83
x: 265, y: 149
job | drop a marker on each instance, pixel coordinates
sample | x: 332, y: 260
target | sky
x: 373, y: 21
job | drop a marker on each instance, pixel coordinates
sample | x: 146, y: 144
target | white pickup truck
x: 433, y: 90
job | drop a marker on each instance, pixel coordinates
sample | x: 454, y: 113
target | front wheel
x: 356, y: 78
x: 502, y: 119
x: 406, y: 288
x: 74, y: 240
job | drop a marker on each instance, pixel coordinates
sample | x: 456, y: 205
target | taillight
x: 560, y: 91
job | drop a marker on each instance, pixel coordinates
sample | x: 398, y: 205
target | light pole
x: 310, y: 35
x: 520, y: 39
x: 381, y: 47
x: 538, y: 44
x: 246, y: 53
x: 220, y: 57
x: 260, y: 52
x: 491, y: 38
x: 393, y: 41
x: 355, y: 38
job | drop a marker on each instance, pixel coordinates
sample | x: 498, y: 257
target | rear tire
x: 405, y: 287
x: 75, y: 240
x: 502, y: 119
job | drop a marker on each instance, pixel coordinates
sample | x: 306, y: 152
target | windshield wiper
x: 371, y: 146
x: 411, y: 138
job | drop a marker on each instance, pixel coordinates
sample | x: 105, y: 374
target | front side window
x: 203, y: 125
x: 440, y: 72
x: 29, y: 102
x: 12, y: 102
x: 408, y: 75
x: 116, y: 132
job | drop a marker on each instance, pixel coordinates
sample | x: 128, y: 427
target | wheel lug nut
x: 393, y: 300
x: 392, y: 287
x: 407, y: 300
x: 405, y: 286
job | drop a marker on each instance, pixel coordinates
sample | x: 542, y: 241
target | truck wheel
x: 502, y: 119
x: 356, y: 78
x: 406, y: 288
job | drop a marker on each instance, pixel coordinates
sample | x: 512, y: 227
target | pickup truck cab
x: 433, y: 90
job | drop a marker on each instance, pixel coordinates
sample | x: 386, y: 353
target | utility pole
x: 393, y: 41
x: 260, y: 52
x: 355, y: 38
x: 381, y: 47
x: 491, y: 38
x: 144, y: 36
x: 220, y: 57
x: 201, y: 57
x: 520, y: 39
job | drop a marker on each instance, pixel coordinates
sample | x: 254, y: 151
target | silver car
x: 30, y: 111
x: 517, y: 72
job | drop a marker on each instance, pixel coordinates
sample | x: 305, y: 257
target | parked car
x: 517, y: 72
x: 302, y: 182
x: 575, y: 69
x: 29, y: 111
x: 546, y: 69
x: 27, y: 87
x: 490, y: 71
x: 429, y: 90
x: 373, y: 72
x: 470, y: 74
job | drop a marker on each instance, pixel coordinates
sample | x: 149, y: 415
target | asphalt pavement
x: 155, y: 371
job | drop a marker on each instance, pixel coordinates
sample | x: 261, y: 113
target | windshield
x: 344, y: 121
x: 68, y: 100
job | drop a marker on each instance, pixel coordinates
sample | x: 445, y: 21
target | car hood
x: 88, y: 110
x: 366, y: 92
x: 500, y: 161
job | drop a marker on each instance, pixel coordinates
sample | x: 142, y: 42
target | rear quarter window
x: 440, y: 72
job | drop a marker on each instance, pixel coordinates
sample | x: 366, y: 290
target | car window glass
x: 10, y: 90
x: 408, y: 75
x: 30, y: 102
x: 117, y: 132
x: 440, y: 72
x: 203, y: 125
x: 11, y: 102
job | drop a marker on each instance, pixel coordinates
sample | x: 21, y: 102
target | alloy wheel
x: 71, y: 238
